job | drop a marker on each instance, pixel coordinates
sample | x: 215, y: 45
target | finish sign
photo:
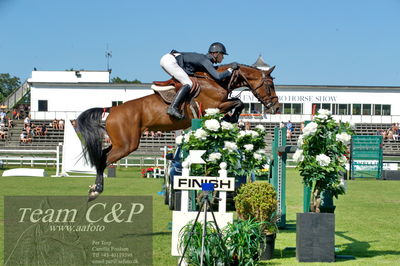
x: 195, y: 182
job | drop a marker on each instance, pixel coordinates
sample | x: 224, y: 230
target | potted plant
x: 215, y: 251
x: 238, y: 244
x: 321, y: 157
x: 242, y: 238
x: 258, y: 201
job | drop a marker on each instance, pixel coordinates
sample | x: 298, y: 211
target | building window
x: 42, y: 105
x: 297, y: 108
x: 344, y: 109
x: 256, y: 108
x: 366, y: 109
x: 377, y: 109
x: 381, y: 109
x: 116, y: 103
x: 326, y: 106
x: 293, y: 108
x: 246, y: 108
x: 386, y: 109
x: 317, y: 106
x: 356, y: 109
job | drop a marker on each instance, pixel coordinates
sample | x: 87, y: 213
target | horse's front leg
x: 234, y: 103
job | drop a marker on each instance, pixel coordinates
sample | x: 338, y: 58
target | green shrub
x: 257, y: 200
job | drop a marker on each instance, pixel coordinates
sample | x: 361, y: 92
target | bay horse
x: 126, y: 123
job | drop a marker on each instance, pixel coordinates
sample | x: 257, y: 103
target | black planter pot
x: 315, y: 237
x: 267, y: 247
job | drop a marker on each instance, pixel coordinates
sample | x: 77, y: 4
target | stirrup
x: 175, y: 113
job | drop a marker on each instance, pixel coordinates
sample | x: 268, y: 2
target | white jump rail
x: 19, y: 155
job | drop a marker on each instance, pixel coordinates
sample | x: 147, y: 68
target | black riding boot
x: 179, y: 97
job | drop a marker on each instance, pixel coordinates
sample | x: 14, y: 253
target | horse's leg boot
x: 179, y: 98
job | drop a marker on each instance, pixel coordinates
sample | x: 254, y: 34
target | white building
x: 57, y: 93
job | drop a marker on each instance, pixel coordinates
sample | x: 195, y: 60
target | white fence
x: 32, y: 157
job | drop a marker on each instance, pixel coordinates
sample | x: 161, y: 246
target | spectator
x: 38, y: 130
x: 281, y: 124
x: 55, y: 124
x: 61, y: 124
x: 2, y: 115
x: 14, y: 113
x: 27, y: 121
x: 247, y: 125
x: 22, y: 137
x: 10, y: 122
x: 290, y: 129
x: 44, y: 130
x: 28, y: 129
x: 289, y: 126
x: 241, y: 125
x: 2, y: 133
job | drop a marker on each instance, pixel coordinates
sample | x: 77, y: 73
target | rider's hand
x: 234, y: 66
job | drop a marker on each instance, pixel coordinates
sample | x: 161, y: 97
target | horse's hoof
x: 93, y: 195
x: 92, y: 188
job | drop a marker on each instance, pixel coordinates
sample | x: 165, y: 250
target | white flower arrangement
x: 213, y: 157
x: 257, y: 156
x: 225, y: 143
x: 320, y: 156
x: 323, y: 160
x: 249, y: 147
x: 298, y: 156
x: 211, y: 111
x: 226, y: 125
x: 323, y: 114
x: 344, y: 138
x: 201, y: 134
x: 310, y: 129
x: 179, y: 140
x: 230, y: 146
x: 260, y: 127
x: 212, y: 125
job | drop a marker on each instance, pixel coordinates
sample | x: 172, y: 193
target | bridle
x: 264, y: 82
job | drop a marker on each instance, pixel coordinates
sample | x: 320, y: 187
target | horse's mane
x: 202, y: 74
x: 241, y: 65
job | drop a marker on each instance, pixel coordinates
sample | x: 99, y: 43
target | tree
x: 119, y: 80
x: 7, y: 85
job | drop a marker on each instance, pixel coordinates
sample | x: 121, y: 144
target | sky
x: 311, y: 42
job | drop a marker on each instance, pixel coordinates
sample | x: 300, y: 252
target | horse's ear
x: 269, y: 71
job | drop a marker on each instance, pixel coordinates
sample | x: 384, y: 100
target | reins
x: 235, y: 76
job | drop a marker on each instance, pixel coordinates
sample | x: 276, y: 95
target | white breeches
x: 169, y: 64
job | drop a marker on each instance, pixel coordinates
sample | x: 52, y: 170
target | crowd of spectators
x: 152, y: 134
x: 32, y: 130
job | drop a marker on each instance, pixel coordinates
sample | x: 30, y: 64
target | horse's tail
x: 91, y: 132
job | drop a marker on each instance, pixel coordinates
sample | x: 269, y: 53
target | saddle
x: 168, y: 89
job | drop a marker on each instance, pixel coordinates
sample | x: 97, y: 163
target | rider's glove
x: 234, y: 66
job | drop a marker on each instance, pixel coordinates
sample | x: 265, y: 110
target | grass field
x: 367, y: 217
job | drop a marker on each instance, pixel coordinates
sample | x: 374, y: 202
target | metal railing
x: 16, y: 95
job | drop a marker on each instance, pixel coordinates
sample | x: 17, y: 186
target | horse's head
x: 260, y: 83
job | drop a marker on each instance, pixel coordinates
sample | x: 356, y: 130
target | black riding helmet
x: 217, y: 47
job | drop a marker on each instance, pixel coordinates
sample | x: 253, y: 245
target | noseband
x: 264, y: 81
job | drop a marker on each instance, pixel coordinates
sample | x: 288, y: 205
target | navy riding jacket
x: 195, y: 62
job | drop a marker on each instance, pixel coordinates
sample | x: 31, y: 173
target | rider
x: 181, y: 65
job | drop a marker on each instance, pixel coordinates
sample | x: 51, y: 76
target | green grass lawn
x: 367, y: 217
